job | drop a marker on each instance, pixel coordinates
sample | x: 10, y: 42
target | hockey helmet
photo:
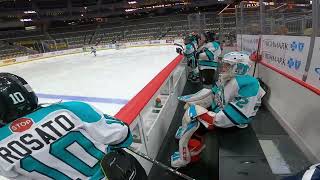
x: 236, y: 63
x: 209, y: 36
x: 190, y: 38
x: 17, y: 99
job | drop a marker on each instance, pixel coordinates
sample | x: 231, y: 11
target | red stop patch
x: 21, y: 124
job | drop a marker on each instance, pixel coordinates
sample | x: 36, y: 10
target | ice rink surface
x: 107, y: 81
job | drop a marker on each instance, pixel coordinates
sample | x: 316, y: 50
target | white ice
x: 112, y: 74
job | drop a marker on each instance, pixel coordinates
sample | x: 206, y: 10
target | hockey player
x: 60, y: 141
x: 207, y: 55
x: 191, y: 45
x: 94, y: 51
x: 234, y: 101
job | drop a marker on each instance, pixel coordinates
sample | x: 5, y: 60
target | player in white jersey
x: 234, y: 101
x: 60, y: 141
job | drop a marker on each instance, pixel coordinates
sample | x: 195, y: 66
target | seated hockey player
x: 233, y: 101
x: 189, y: 51
x: 64, y: 140
x: 207, y: 55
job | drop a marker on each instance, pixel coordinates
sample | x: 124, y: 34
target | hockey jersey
x: 190, y: 53
x: 242, y: 99
x: 62, y: 141
x: 234, y: 104
x: 208, y: 58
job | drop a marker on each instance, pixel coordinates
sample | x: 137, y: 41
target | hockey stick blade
x: 160, y: 164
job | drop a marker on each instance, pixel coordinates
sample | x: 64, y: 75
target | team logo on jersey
x: 21, y: 124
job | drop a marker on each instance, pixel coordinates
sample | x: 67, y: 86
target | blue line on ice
x: 83, y: 98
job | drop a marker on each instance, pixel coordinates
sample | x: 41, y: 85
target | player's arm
x: 241, y: 108
x: 205, y: 54
x: 103, y: 128
x: 111, y: 131
x: 209, y: 52
x: 189, y: 50
x: 235, y: 111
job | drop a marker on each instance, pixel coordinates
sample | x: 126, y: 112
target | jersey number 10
x: 58, y: 149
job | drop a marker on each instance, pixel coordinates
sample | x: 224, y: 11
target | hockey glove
x: 179, y: 50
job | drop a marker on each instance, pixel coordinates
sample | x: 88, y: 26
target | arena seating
x: 118, y: 29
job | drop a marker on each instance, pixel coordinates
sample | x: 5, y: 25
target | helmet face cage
x: 190, y: 38
x: 236, y: 63
x: 209, y: 36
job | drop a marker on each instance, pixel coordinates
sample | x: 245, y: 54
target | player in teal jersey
x: 60, y: 141
x: 189, y: 51
x: 207, y: 55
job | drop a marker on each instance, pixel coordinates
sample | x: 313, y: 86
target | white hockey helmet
x: 236, y: 63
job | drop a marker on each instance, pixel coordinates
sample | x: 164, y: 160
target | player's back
x: 61, y: 141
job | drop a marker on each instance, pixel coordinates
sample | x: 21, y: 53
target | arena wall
x: 294, y: 92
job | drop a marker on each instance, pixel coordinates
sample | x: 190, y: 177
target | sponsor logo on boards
x: 154, y: 42
x: 274, y: 59
x: 297, y: 46
x: 317, y: 70
x: 294, y: 64
x: 274, y: 44
x: 8, y: 61
x: 35, y: 56
x: 293, y: 46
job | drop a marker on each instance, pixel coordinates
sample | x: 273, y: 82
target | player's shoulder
x: 248, y: 85
x: 83, y: 110
x: 213, y: 44
x: 189, y: 46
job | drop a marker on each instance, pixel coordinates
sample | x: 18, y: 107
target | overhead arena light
x: 25, y: 20
x: 132, y: 2
x: 30, y: 12
x: 30, y: 28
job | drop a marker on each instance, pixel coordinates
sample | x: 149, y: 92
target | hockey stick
x: 160, y: 164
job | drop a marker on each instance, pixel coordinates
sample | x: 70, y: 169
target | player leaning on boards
x: 60, y: 141
x: 207, y: 56
x: 233, y: 101
x: 189, y: 51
